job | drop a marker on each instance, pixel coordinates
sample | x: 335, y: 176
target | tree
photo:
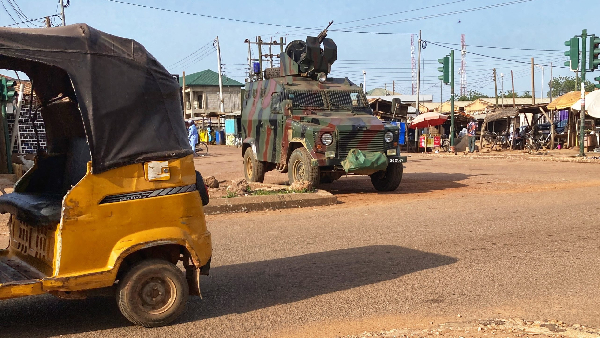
x: 471, y: 96
x: 564, y: 84
x: 509, y: 94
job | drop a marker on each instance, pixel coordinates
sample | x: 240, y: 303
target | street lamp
x: 542, y: 90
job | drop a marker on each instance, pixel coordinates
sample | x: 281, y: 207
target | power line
x: 7, y: 12
x: 495, y: 47
x: 20, y: 13
x: 198, y: 58
x: 515, y: 2
x: 408, y: 11
x: 208, y: 44
x: 492, y: 57
x: 250, y: 21
x: 31, y: 20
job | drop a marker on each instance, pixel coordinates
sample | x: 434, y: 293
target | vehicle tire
x: 253, y: 169
x: 301, y: 169
x: 201, y: 187
x: 153, y: 293
x: 388, y: 179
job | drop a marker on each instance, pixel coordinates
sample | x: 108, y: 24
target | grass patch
x: 262, y: 192
x: 230, y: 194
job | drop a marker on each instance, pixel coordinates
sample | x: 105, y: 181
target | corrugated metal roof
x: 208, y: 78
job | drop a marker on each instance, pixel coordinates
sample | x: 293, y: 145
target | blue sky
x: 542, y: 25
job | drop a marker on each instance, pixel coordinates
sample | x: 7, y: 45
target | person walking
x: 471, y: 130
x: 192, y: 134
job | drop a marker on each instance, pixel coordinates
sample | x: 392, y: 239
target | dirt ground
x: 432, y: 175
x: 468, y: 246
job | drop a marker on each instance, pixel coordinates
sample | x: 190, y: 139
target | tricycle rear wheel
x: 153, y: 293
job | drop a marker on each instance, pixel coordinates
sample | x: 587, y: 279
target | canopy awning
x: 129, y: 103
x: 565, y: 101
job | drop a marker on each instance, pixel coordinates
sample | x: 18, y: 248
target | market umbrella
x: 428, y: 120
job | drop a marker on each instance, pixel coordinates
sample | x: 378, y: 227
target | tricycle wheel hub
x: 157, y: 294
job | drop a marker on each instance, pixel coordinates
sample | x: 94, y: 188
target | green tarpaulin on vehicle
x: 364, y: 161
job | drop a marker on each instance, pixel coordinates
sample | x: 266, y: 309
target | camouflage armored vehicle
x: 297, y: 120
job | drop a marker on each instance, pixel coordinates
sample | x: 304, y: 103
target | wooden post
x: 532, y: 82
x: 551, y: 127
x: 483, y: 128
x: 512, y: 79
x: 495, y: 89
x: 183, y: 95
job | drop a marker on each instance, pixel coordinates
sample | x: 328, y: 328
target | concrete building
x: 201, y: 94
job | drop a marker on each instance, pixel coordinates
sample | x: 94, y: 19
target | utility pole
x: 582, y: 111
x: 441, y: 94
x: 495, y: 88
x: 542, y: 88
x: 418, y: 87
x: 532, y: 82
x: 221, y: 105
x: 512, y: 79
x: 452, y: 128
x: 62, y: 12
x: 260, y: 56
x: 393, y: 87
x: 502, y: 88
x: 515, y: 128
x: 550, y: 81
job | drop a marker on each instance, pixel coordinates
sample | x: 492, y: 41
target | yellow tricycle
x: 115, y: 201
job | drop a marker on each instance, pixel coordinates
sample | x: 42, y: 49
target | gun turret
x: 308, y: 57
x: 323, y: 33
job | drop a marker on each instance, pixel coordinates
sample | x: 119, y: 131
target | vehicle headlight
x: 389, y: 137
x: 322, y: 77
x: 326, y: 139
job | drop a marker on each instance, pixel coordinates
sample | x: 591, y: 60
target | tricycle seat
x: 33, y: 208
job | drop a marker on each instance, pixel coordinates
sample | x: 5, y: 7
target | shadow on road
x: 411, y: 183
x: 229, y: 289
x: 251, y: 286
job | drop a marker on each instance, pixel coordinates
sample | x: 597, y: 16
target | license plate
x: 397, y: 160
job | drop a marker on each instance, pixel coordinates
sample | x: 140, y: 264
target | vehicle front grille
x: 365, y: 140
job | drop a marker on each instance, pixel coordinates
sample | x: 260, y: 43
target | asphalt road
x: 475, y: 238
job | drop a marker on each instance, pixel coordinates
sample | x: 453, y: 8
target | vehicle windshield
x: 326, y: 99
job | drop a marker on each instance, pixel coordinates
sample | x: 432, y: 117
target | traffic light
x: 597, y: 85
x: 594, y: 62
x: 445, y: 69
x: 572, y: 53
x: 8, y: 89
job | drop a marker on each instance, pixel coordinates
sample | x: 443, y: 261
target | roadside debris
x: 301, y: 186
x: 211, y: 182
x: 238, y: 187
x: 491, y: 327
